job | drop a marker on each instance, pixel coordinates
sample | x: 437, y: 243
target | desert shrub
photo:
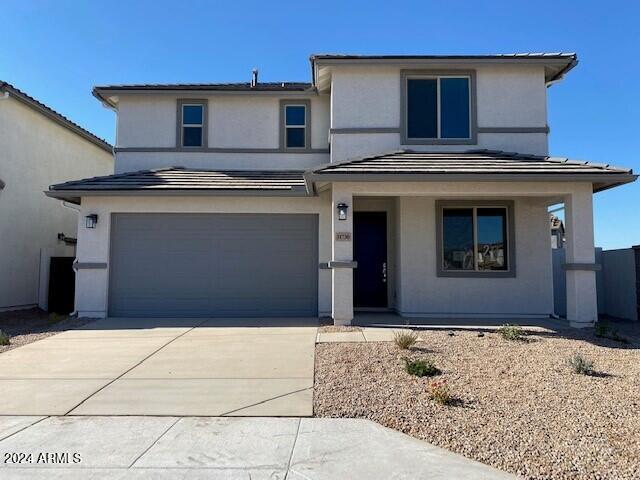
x: 439, y: 392
x: 56, y: 317
x: 603, y: 330
x: 4, y: 338
x: 580, y: 365
x: 512, y: 332
x: 420, y: 367
x: 405, y: 339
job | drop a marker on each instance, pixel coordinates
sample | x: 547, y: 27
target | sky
x: 56, y: 51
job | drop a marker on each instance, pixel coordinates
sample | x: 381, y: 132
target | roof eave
x: 102, y: 93
x: 569, y: 61
x: 104, y: 100
x: 602, y: 181
x: 74, y: 196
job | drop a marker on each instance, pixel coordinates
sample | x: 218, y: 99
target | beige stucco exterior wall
x: 529, y: 293
x: 238, y: 121
x: 36, y: 152
x: 368, y: 96
x: 416, y: 289
x: 362, y: 96
x: 93, y: 244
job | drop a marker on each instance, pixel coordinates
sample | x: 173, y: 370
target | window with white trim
x: 438, y: 107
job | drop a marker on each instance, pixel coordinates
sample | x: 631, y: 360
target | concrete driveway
x: 177, y: 367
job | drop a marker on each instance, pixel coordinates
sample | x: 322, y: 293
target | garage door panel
x: 213, y: 265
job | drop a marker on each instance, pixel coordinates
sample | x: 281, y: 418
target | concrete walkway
x: 164, y: 367
x: 223, y: 449
x: 383, y: 327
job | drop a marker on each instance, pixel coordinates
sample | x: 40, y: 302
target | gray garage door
x: 213, y: 265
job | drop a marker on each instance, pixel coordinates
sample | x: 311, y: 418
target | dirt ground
x: 26, y: 326
x: 517, y: 405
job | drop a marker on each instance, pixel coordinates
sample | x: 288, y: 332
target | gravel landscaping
x: 338, y: 328
x: 517, y: 405
x: 27, y: 326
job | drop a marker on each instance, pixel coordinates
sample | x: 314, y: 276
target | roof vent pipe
x: 254, y: 78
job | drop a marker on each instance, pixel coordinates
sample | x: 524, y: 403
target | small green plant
x: 405, y: 339
x: 420, y: 368
x: 512, y: 332
x: 56, y: 317
x: 603, y: 330
x: 4, y: 338
x: 439, y: 392
x: 580, y: 365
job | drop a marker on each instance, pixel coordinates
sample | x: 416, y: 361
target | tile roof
x: 472, y: 161
x: 269, y: 86
x: 55, y: 116
x: 102, y: 92
x: 473, y: 164
x: 184, y: 180
x: 224, y: 87
x: 541, y: 55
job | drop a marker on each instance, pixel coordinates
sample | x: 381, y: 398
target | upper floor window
x: 437, y: 108
x: 295, y: 132
x: 192, y: 122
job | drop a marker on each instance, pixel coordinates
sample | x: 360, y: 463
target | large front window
x: 438, y: 108
x: 475, y: 239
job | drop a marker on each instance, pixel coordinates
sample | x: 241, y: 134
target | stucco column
x: 341, y: 263
x: 92, y: 260
x: 580, y: 266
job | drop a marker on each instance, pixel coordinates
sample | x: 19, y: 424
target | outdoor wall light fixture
x: 91, y: 220
x: 342, y: 211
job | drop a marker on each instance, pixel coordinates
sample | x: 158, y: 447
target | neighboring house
x: 557, y: 231
x: 388, y: 182
x: 38, y: 147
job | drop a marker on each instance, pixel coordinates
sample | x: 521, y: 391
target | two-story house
x: 419, y: 184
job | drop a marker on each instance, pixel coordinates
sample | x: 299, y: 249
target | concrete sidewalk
x: 223, y: 449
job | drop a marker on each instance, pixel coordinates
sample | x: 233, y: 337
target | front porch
x: 388, y: 254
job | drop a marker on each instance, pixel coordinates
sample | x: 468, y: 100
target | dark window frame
x: 303, y: 102
x: 509, y: 206
x: 405, y: 75
x: 181, y: 103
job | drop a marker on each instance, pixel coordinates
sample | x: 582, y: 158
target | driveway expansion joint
x: 133, y: 367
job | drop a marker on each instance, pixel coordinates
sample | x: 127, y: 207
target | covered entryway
x: 213, y: 265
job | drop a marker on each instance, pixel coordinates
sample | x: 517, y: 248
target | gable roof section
x: 473, y: 165
x: 53, y: 115
x: 184, y: 181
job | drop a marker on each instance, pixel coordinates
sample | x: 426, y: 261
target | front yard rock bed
x: 518, y: 406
